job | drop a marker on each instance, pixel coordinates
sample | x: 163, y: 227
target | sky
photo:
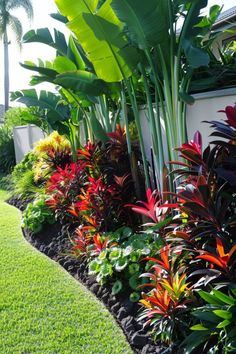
x: 20, y: 77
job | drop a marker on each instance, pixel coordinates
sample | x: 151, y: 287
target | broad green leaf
x: 196, y: 56
x: 211, y: 299
x: 199, y: 327
x: 71, y: 8
x: 43, y: 35
x: 63, y: 64
x: 36, y: 80
x: 83, y: 81
x: 100, y: 35
x: 223, y: 314
x: 134, y: 281
x: 223, y: 324
x: 97, y: 129
x: 57, y: 16
x: 78, y: 58
x: 193, y: 341
x: 51, y: 73
x: 214, y: 12
x: 46, y: 100
x: 188, y: 99
x: 117, y: 287
x: 147, y: 24
x: 224, y: 298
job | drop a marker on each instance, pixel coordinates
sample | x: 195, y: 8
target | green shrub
x: 23, y: 177
x: 7, y: 151
x: 22, y: 116
x: 37, y: 214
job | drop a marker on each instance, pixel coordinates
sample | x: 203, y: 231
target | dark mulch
x: 53, y: 241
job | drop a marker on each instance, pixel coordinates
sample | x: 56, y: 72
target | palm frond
x: 16, y: 27
x: 24, y: 4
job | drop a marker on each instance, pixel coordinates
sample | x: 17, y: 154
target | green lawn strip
x: 42, y: 308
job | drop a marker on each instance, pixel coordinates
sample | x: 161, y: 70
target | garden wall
x: 24, y: 138
x: 205, y: 108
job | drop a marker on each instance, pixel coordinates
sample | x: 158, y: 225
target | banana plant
x: 171, y: 55
x: 123, y: 37
x: 100, y: 33
x: 79, y: 87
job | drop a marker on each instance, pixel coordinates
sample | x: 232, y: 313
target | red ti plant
x: 80, y: 242
x: 99, y: 244
x: 165, y: 304
x: 91, y: 154
x: 154, y: 208
x: 192, y: 151
x: 64, y: 186
x: 98, y: 201
x: 206, y: 210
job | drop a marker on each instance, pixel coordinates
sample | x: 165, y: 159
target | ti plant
x: 165, y: 302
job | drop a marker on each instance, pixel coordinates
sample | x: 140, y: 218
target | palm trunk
x: 6, y: 71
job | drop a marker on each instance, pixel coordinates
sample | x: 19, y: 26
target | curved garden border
x: 42, y: 309
x: 52, y: 242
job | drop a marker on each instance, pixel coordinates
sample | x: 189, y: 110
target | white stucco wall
x: 206, y: 107
x: 24, y: 139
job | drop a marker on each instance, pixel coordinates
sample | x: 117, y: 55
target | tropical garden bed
x: 155, y: 240
x: 43, y: 309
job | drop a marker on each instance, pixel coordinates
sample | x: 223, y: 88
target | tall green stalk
x: 155, y: 130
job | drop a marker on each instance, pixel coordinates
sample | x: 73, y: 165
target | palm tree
x: 7, y: 20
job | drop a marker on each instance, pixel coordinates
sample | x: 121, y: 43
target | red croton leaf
x: 221, y: 259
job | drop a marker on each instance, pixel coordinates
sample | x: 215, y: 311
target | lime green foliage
x: 23, y: 177
x: 25, y: 186
x: 22, y: 116
x: 43, y: 309
x: 30, y: 175
x: 37, y: 214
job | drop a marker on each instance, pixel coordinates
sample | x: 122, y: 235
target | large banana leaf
x: 63, y: 64
x: 83, y: 81
x: 100, y: 35
x: 41, y: 68
x: 56, y: 111
x: 76, y: 53
x: 70, y: 50
x: 43, y: 35
x: 147, y: 22
x: 195, y: 55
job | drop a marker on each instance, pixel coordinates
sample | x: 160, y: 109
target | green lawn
x: 42, y: 308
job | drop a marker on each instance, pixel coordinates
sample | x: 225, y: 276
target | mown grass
x: 42, y: 308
